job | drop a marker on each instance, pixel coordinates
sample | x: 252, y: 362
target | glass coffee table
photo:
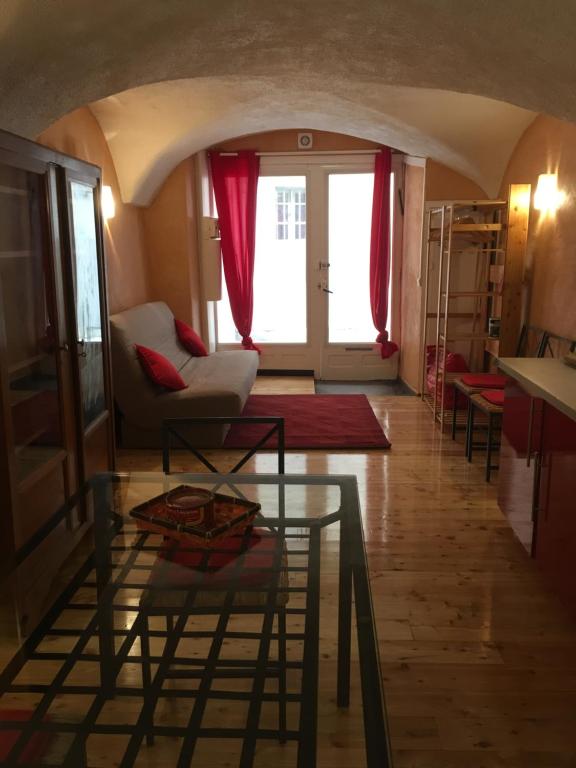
x: 159, y: 650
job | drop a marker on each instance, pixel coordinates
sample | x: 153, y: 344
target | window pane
x: 279, y: 269
x: 350, y: 221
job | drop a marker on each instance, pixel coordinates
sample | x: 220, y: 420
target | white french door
x: 311, y: 275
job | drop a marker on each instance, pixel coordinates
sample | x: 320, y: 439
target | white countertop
x: 548, y: 378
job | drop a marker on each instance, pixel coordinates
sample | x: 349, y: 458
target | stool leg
x: 470, y: 430
x: 454, y: 413
x: 489, y: 447
x: 169, y: 623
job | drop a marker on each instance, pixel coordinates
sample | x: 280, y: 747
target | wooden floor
x: 478, y: 658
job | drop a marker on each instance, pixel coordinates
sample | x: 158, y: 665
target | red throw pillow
x: 158, y: 369
x: 190, y: 339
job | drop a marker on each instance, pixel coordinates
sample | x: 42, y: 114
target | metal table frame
x: 353, y: 580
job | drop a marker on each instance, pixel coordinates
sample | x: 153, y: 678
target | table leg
x: 344, y: 617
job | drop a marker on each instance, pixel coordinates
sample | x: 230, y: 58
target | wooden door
x: 38, y: 456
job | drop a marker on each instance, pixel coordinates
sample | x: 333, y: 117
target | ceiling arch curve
x: 56, y: 55
x: 152, y: 128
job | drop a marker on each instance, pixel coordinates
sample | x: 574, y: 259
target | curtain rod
x: 303, y: 153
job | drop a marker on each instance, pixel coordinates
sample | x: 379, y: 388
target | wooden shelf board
x: 16, y: 254
x: 469, y: 294
x: 18, y: 396
x: 22, y: 364
x: 476, y: 251
x: 466, y: 337
x: 455, y: 315
x: 14, y: 191
x: 477, y: 227
x: 36, y: 463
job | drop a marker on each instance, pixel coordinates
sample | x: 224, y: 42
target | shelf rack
x: 474, y: 256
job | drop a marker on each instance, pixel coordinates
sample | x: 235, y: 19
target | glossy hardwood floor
x: 478, y: 657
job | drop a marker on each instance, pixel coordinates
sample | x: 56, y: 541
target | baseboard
x: 414, y: 391
x: 282, y: 372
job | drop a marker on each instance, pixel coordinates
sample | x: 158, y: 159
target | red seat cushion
x: 194, y: 567
x: 484, y: 380
x: 159, y: 369
x: 494, y: 396
x: 38, y: 742
x: 190, y: 339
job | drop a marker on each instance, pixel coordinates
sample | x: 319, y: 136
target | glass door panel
x: 86, y: 278
x: 349, y: 225
x: 280, y: 299
x: 28, y: 310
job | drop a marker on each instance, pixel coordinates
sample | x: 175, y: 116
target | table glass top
x: 171, y: 641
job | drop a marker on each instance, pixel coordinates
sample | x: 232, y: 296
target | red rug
x: 312, y: 421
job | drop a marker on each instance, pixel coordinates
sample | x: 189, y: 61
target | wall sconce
x: 547, y: 197
x: 108, y: 204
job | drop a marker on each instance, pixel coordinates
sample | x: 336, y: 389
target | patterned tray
x: 228, y: 516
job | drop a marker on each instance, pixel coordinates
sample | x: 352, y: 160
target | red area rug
x: 312, y: 421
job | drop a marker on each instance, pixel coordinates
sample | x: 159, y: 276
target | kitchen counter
x: 548, y: 378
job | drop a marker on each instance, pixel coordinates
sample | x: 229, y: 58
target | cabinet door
x: 518, y: 475
x: 556, y: 534
x: 33, y: 390
x: 89, y: 317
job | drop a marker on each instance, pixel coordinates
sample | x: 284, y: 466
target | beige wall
x: 79, y: 134
x: 286, y: 141
x: 411, y: 305
x: 442, y: 183
x: 549, y: 145
x: 170, y: 234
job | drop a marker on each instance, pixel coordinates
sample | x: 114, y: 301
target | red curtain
x: 235, y: 180
x: 380, y: 250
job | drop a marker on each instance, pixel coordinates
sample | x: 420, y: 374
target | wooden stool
x: 469, y: 384
x: 490, y: 403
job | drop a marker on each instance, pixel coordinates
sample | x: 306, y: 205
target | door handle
x: 327, y: 291
x: 82, y: 344
x: 63, y: 347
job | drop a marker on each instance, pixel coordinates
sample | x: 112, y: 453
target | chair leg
x: 454, y: 407
x: 169, y: 623
x: 282, y: 674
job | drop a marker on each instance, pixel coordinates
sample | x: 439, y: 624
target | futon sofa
x: 218, y: 385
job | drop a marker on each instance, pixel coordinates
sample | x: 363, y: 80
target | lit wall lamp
x: 108, y: 204
x: 547, y: 197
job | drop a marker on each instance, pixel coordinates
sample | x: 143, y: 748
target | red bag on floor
x: 454, y: 363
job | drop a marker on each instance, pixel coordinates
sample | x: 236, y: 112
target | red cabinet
x: 555, y: 540
x: 518, y: 476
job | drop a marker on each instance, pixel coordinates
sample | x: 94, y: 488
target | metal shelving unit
x: 464, y: 239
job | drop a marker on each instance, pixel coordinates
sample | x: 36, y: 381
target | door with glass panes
x: 311, y: 274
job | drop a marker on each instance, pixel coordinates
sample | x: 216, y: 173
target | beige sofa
x: 218, y: 385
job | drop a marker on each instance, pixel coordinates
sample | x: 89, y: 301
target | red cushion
x: 192, y: 566
x: 484, y: 380
x: 494, y: 396
x: 38, y: 742
x: 159, y: 369
x: 190, y: 339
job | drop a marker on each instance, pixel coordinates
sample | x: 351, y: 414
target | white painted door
x: 311, y: 276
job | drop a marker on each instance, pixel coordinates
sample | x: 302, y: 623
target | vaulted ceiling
x: 333, y: 64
